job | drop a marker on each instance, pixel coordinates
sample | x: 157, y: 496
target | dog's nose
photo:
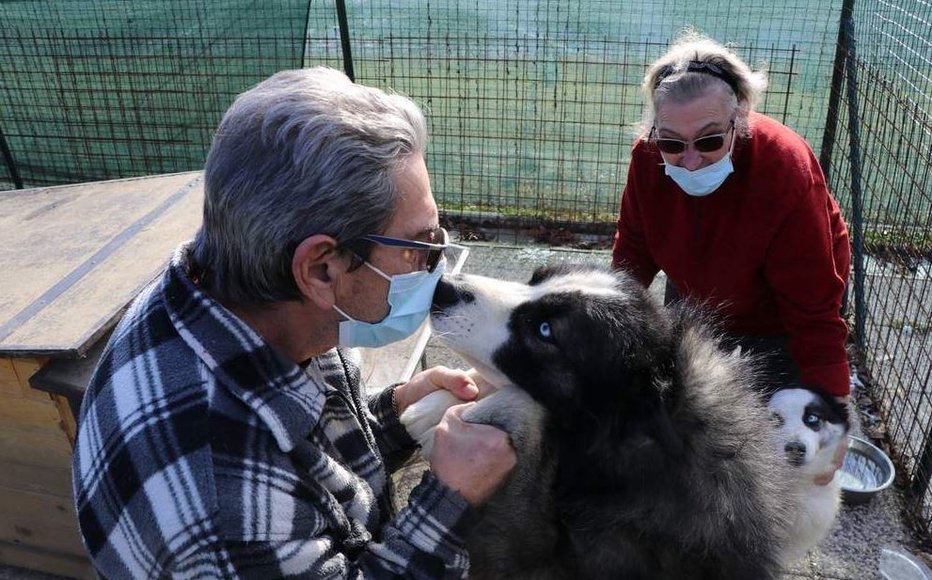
x: 795, y: 453
x: 449, y: 293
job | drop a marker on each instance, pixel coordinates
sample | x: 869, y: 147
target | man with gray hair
x: 225, y: 432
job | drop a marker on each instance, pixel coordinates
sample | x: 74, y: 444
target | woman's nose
x: 691, y: 159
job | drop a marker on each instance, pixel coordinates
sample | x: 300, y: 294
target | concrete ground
x: 851, y: 552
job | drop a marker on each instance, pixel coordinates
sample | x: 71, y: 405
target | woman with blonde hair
x: 734, y: 208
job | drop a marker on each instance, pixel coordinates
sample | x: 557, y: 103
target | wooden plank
x: 67, y: 421
x: 74, y: 256
x: 24, y: 368
x: 39, y: 521
x: 58, y: 564
x: 28, y: 413
x: 47, y: 447
x: 38, y: 528
x: 23, y: 405
x: 14, y: 378
x: 34, y: 451
x: 75, y: 220
x: 44, y: 479
x: 94, y: 301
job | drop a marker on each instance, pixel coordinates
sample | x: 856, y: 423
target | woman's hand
x: 837, y: 461
x: 839, y: 458
x: 459, y: 383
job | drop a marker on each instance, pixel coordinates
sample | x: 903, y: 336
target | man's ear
x: 315, y: 266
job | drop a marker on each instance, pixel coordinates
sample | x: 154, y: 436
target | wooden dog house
x: 72, y: 258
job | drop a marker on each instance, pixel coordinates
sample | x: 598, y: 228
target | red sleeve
x: 807, y: 267
x: 630, y: 250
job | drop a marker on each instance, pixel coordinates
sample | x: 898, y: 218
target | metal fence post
x: 307, y: 27
x: 857, y: 201
x: 10, y: 162
x: 345, y: 40
x: 838, y: 69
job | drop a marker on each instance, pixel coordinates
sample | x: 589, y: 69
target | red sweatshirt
x: 769, y: 247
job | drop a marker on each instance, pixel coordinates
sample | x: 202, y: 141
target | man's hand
x: 839, y: 458
x: 458, y: 382
x: 471, y: 458
x: 837, y: 461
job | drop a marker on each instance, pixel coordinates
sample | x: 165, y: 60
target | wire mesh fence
x: 881, y: 166
x: 533, y: 107
x: 97, y: 90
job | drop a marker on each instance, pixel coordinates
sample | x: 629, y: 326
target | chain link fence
x: 880, y: 165
x: 93, y: 90
x: 533, y: 107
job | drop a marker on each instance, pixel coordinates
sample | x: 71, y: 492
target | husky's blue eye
x: 811, y: 419
x: 544, y: 329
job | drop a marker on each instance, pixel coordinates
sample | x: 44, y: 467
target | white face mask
x: 409, y: 299
x: 704, y: 181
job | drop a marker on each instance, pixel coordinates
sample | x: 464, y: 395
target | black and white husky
x: 643, y: 451
x: 810, y: 428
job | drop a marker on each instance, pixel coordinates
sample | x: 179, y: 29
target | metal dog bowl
x: 867, y: 470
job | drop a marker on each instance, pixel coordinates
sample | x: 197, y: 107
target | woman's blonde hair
x: 696, y: 64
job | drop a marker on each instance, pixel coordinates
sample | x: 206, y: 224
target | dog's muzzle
x: 795, y: 453
x: 449, y: 293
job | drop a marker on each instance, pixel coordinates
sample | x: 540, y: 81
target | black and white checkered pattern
x: 204, y: 453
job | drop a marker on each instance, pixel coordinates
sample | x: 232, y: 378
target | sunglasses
x: 706, y: 144
x: 432, y: 252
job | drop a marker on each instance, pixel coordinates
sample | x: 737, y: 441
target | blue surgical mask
x: 704, y: 181
x: 409, y: 299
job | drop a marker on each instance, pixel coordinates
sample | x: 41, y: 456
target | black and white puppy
x: 811, y: 427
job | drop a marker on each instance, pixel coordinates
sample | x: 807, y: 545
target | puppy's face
x: 810, y: 426
x: 557, y: 337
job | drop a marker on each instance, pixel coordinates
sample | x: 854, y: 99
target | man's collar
x: 284, y: 397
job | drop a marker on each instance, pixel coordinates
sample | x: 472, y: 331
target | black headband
x: 700, y: 67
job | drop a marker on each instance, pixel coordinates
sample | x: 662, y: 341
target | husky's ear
x: 558, y: 269
x: 837, y: 409
x: 544, y: 272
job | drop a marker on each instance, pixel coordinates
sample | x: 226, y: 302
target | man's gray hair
x: 304, y: 152
x: 669, y: 79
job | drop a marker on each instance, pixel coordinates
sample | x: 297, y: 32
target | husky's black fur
x: 650, y: 454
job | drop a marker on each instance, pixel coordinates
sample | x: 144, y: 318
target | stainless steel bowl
x: 867, y: 471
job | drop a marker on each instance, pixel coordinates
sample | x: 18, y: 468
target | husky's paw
x: 421, y: 418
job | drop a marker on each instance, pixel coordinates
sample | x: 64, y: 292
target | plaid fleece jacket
x: 203, y: 453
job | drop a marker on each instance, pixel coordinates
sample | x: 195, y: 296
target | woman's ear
x: 315, y: 266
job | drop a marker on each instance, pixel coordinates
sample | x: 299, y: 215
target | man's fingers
x: 456, y: 381
x: 456, y: 412
x: 471, y: 459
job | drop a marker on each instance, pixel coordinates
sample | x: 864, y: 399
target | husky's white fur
x: 811, y: 427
